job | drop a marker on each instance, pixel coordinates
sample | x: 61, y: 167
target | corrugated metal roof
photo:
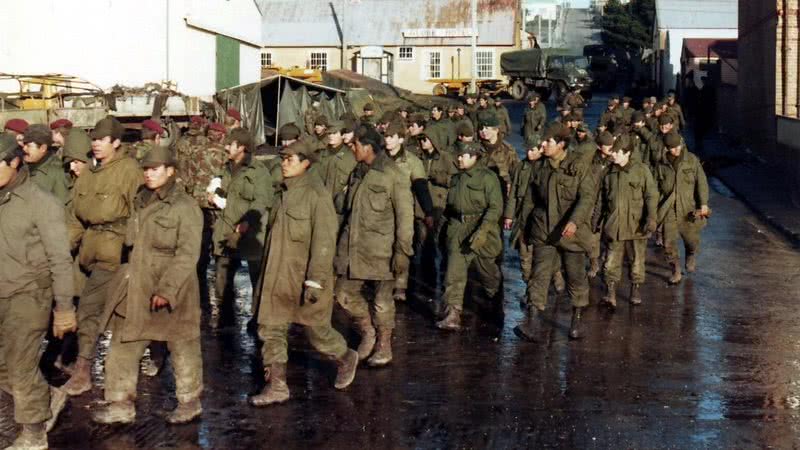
x: 699, y: 14
x: 310, y: 23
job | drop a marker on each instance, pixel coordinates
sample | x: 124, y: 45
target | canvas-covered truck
x: 535, y: 70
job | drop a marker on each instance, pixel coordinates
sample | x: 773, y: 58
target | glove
x: 478, y: 240
x: 64, y: 322
x: 232, y: 240
x: 215, y: 184
x: 220, y: 202
x: 652, y: 226
x: 312, y: 295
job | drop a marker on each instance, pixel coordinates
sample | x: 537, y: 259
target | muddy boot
x: 610, y: 298
x: 594, y: 267
x: 399, y: 295
x: 185, y: 412
x: 691, y: 263
x: 58, y: 400
x: 383, y: 350
x: 451, y: 321
x: 67, y: 369
x: 367, y: 332
x: 32, y: 437
x: 676, y: 273
x: 81, y: 379
x: 277, y: 391
x: 115, y: 412
x: 558, y: 282
x: 575, y: 326
x: 346, y: 372
x: 528, y: 329
x: 636, y: 296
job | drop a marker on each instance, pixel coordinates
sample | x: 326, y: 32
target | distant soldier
x: 374, y: 244
x: 151, y: 135
x: 472, y: 109
x: 37, y: 267
x: 600, y: 165
x: 465, y: 133
x: 461, y: 116
x: 310, y: 117
x: 626, y: 111
x: 502, y: 116
x: 299, y: 278
x: 319, y: 140
x: 338, y: 162
x: 45, y: 167
x: 438, y: 126
x: 233, y: 119
x: 534, y: 120
x: 673, y: 109
x: 77, y: 155
x: 574, y: 99
x: 415, y: 131
x: 369, y: 115
x: 609, y: 119
x: 16, y: 129
x: 60, y: 129
x: 501, y: 158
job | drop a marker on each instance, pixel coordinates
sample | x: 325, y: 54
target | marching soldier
x: 156, y: 295
x: 500, y: 157
x: 574, y: 100
x: 299, y: 278
x: 337, y: 163
x: 438, y: 126
x: 374, y: 244
x: 601, y: 163
x: 534, y: 120
x: 502, y: 116
x: 45, y: 167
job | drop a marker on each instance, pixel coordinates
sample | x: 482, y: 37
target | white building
x: 199, y: 45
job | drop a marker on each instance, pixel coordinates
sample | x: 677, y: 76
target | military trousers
x: 351, y: 297
x: 427, y: 247
x: 616, y: 257
x: 226, y: 267
x: 122, y: 366
x: 597, y: 242
x: 686, y: 230
x: 546, y: 260
x: 324, y: 338
x: 455, y: 279
x: 91, y: 305
x: 24, y: 320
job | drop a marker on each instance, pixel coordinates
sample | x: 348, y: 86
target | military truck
x: 536, y: 70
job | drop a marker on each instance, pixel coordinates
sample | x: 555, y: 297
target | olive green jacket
x: 379, y: 222
x: 249, y: 195
x: 33, y: 242
x: 517, y: 208
x: 682, y: 184
x: 502, y: 159
x: 534, y: 122
x: 102, y: 201
x: 629, y: 198
x: 334, y: 170
x: 411, y: 166
x: 165, y: 234
x: 300, y: 247
x: 439, y: 168
x: 444, y: 131
x: 49, y: 175
x: 474, y: 205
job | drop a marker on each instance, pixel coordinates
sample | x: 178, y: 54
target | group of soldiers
x: 344, y: 211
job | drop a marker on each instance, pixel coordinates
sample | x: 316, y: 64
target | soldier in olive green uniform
x: 675, y: 111
x: 45, y: 167
x: 610, y: 118
x: 600, y: 165
x: 241, y: 225
x: 319, y: 140
x: 336, y: 166
x: 501, y: 158
x: 102, y: 203
x: 534, y: 120
x: 474, y: 207
x: 299, y: 278
x: 502, y: 115
x: 683, y: 204
x: 443, y: 129
x: 368, y: 118
x: 626, y: 111
x: 628, y: 200
x: 375, y: 243
x: 150, y: 137
x: 472, y: 109
x: 37, y: 267
x: 310, y: 117
x: 156, y: 295
x: 574, y: 100
x: 563, y: 194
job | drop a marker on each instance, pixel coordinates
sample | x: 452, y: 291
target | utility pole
x: 344, y: 41
x: 473, y: 85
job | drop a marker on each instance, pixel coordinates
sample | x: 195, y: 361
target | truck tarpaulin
x: 522, y: 62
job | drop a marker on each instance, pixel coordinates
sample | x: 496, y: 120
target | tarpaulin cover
x: 530, y: 62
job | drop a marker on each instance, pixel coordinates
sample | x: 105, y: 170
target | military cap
x: 658, y: 105
x: 289, y: 132
x: 404, y: 108
x: 534, y: 96
x: 418, y: 119
x: 464, y: 128
x: 369, y: 107
x: 626, y: 99
x: 395, y: 128
x: 299, y: 148
x: 472, y: 95
x: 460, y: 105
x: 216, y: 126
x: 623, y: 143
x: 60, y: 123
x: 241, y: 137
x: 571, y: 117
x: 615, y: 97
x: 672, y: 140
x: 368, y: 136
x: 154, y: 126
x: 158, y: 156
x: 16, y: 125
x: 486, y: 95
x: 582, y: 127
x: 556, y: 131
x: 233, y: 112
x: 8, y: 146
x: 336, y: 126
x: 321, y: 121
x: 498, y: 100
x: 637, y: 116
x: 489, y: 120
x: 387, y: 117
x: 439, y: 106
x: 611, y: 102
x: 531, y: 143
x: 665, y: 119
x: 109, y: 126
x: 471, y: 148
x: 348, y: 125
x: 670, y: 95
x: 39, y: 134
x: 605, y: 138
x: 77, y: 146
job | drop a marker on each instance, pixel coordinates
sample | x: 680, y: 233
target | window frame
x: 492, y: 56
x: 429, y: 64
x: 408, y: 58
x: 266, y: 55
x: 312, y: 54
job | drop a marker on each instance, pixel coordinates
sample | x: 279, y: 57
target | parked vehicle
x: 535, y: 70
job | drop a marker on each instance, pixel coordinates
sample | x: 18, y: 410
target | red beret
x: 233, y: 112
x: 61, y: 123
x: 199, y: 120
x: 217, y: 127
x: 153, y: 125
x: 17, y: 125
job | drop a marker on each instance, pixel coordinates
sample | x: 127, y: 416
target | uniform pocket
x: 378, y: 197
x: 165, y: 236
x: 636, y: 189
x: 299, y: 224
x: 567, y: 187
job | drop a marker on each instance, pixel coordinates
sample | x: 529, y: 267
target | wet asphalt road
x: 711, y: 363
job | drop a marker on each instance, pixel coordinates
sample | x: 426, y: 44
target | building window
x: 406, y: 53
x: 266, y: 59
x: 485, y: 60
x: 319, y: 61
x: 435, y: 65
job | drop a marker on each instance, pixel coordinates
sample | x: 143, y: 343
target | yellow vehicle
x: 456, y: 87
x: 297, y: 72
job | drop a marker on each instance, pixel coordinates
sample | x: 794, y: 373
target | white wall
x: 110, y: 42
x: 671, y: 63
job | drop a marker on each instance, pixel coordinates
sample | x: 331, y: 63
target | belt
x: 110, y: 226
x: 464, y: 217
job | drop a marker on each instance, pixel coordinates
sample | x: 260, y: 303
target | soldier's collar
x: 10, y: 188
x: 167, y: 190
x: 294, y: 182
x: 380, y: 162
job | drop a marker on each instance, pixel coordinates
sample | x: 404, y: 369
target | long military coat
x: 534, y: 122
x: 682, y: 184
x: 475, y: 204
x: 629, y: 197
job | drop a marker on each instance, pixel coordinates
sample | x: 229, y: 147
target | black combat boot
x: 346, y: 372
x: 528, y: 329
x: 276, y: 390
x: 636, y: 296
x: 610, y: 298
x: 575, y: 326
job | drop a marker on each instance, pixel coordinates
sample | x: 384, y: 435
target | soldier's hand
x: 638, y: 124
x: 705, y: 211
x: 157, y: 302
x: 312, y: 295
x: 652, y: 226
x: 428, y: 221
x: 64, y: 322
x: 569, y: 230
x: 242, y: 228
x: 507, y: 224
x: 477, y: 241
x: 399, y: 264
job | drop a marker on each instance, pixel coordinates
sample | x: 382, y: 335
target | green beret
x: 158, y: 156
x: 77, y: 146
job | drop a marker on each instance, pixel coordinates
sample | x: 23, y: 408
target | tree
x: 628, y: 26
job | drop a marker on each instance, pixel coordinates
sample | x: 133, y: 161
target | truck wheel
x: 439, y: 90
x: 518, y: 90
